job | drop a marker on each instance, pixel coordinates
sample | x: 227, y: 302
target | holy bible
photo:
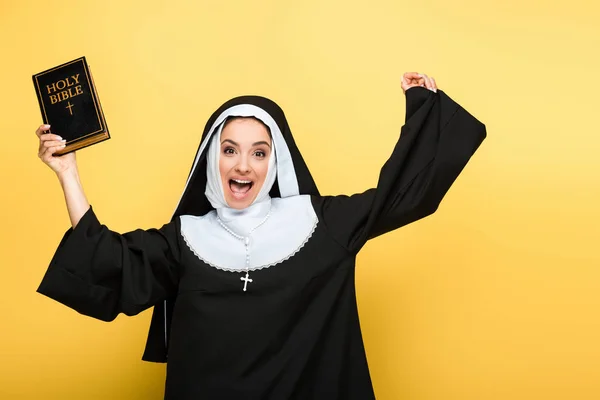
x: 70, y: 105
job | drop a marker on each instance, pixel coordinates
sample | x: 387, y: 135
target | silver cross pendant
x: 246, y: 279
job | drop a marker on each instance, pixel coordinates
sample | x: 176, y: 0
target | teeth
x: 240, y: 181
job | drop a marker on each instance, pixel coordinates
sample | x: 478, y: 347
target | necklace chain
x: 246, y: 240
x: 238, y: 236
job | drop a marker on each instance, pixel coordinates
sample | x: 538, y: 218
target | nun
x: 253, y: 279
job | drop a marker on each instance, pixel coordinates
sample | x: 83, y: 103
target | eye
x: 228, y: 150
x: 260, y: 154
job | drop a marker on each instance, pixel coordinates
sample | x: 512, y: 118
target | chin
x: 239, y: 205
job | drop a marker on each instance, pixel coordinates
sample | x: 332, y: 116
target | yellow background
x: 496, y: 296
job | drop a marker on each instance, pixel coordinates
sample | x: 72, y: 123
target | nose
x: 243, y: 167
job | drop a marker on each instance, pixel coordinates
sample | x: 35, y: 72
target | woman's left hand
x: 413, y: 79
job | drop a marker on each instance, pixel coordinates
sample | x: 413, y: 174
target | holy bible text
x: 69, y: 104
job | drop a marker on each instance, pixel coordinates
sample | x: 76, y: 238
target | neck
x: 244, y: 220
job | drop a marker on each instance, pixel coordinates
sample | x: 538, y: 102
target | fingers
x: 47, y: 139
x: 50, y: 140
x: 41, y: 133
x: 412, y: 79
x: 429, y: 83
x: 51, y: 137
x: 50, y: 144
x: 434, y: 85
x: 42, y: 129
x: 408, y: 76
x: 47, y: 154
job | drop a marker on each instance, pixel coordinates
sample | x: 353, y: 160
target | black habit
x: 295, y: 334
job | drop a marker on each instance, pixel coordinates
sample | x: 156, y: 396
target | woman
x: 253, y: 278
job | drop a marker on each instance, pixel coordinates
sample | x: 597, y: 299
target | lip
x: 237, y: 195
x: 242, y: 180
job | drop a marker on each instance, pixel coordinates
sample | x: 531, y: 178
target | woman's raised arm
x: 65, y: 168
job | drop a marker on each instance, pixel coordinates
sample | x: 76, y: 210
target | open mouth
x: 239, y: 187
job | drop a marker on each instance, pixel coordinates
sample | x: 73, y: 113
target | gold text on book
x: 64, y: 89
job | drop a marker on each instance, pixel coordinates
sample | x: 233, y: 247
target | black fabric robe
x: 295, y: 333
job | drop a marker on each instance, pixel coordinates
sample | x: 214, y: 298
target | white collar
x: 290, y: 225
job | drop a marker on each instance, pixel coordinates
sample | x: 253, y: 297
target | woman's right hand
x: 414, y: 79
x: 49, y: 144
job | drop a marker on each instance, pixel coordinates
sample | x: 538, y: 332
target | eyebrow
x: 253, y: 144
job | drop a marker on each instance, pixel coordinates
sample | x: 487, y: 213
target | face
x: 244, y: 160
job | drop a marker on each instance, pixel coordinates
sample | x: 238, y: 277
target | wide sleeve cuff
x: 415, y: 98
x: 71, y: 286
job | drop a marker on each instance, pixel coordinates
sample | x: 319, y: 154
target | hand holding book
x: 50, y: 144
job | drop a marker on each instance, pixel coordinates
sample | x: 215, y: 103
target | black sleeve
x: 100, y: 273
x: 436, y: 142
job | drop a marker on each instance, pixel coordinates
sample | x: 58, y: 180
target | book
x: 70, y: 105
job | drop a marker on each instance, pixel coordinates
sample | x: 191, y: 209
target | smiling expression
x: 244, y: 160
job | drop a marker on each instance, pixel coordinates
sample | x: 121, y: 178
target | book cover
x: 69, y: 104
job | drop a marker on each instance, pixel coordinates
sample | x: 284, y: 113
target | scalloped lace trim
x: 292, y: 254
